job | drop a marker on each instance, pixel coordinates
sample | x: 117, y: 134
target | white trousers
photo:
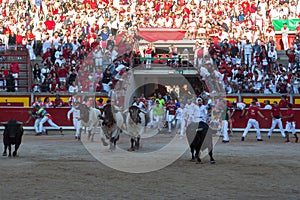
x: 178, y: 124
x: 183, y: 124
x: 170, y: 118
x: 148, y: 61
x: 150, y: 123
x: 224, y: 130
x: 247, y: 58
x: 76, y: 124
x: 46, y: 119
x: 290, y: 127
x: 254, y: 123
x: 274, y: 123
x: 285, y: 42
x: 98, y: 62
x: 158, y: 122
x: 37, y: 124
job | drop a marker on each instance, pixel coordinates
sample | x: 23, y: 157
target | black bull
x: 200, y: 138
x: 12, y: 135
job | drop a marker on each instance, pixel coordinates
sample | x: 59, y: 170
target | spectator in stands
x: 73, y: 88
x: 47, y: 103
x: 45, y: 87
x: 58, y: 102
x: 10, y: 82
x: 72, y: 76
x: 284, y: 34
x: 37, y: 72
x: 267, y: 105
x: 15, y: 69
x: 106, y: 81
x: 29, y: 46
x: 2, y: 79
x: 98, y: 55
x: 36, y: 86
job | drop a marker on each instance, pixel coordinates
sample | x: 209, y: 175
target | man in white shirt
x: 267, y: 106
x: 139, y: 104
x: 190, y: 107
x: 76, y: 122
x: 73, y: 88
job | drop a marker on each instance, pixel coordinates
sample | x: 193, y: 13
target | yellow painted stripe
x: 231, y: 99
x: 24, y: 100
x: 261, y: 100
x: 296, y: 101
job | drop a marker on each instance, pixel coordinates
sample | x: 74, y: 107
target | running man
x: 225, y: 118
x: 252, y: 113
x: 276, y: 120
x: 171, y: 112
x: 76, y: 122
x: 290, y: 123
x: 46, y: 117
x: 37, y: 118
x: 158, y: 114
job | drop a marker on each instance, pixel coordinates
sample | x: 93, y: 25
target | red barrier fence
x: 60, y: 117
x: 241, y: 122
x: 21, y: 114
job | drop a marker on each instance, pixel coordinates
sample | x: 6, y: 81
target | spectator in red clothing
x: 29, y: 36
x: 63, y: 74
x: 50, y: 25
x: 19, y: 38
x: 15, y: 69
x: 58, y: 102
x: 54, y: 85
x: 291, y: 54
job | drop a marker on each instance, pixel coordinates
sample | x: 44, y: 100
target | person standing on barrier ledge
x: 252, y: 113
x: 148, y: 54
x: 290, y: 123
x: 276, y: 120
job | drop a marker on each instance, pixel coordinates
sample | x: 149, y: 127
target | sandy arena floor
x: 58, y: 167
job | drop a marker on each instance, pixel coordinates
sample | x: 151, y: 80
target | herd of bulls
x: 112, y: 123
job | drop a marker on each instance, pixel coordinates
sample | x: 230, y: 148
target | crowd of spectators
x: 72, y: 35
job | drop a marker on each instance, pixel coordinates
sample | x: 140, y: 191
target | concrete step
x: 23, y: 82
x: 23, y: 74
x: 22, y: 90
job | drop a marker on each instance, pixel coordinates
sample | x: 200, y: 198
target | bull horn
x: 125, y: 111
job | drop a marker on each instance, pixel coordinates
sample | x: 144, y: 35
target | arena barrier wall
x: 60, y: 118
x: 26, y: 99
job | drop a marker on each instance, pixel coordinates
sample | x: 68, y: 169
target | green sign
x: 291, y: 24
